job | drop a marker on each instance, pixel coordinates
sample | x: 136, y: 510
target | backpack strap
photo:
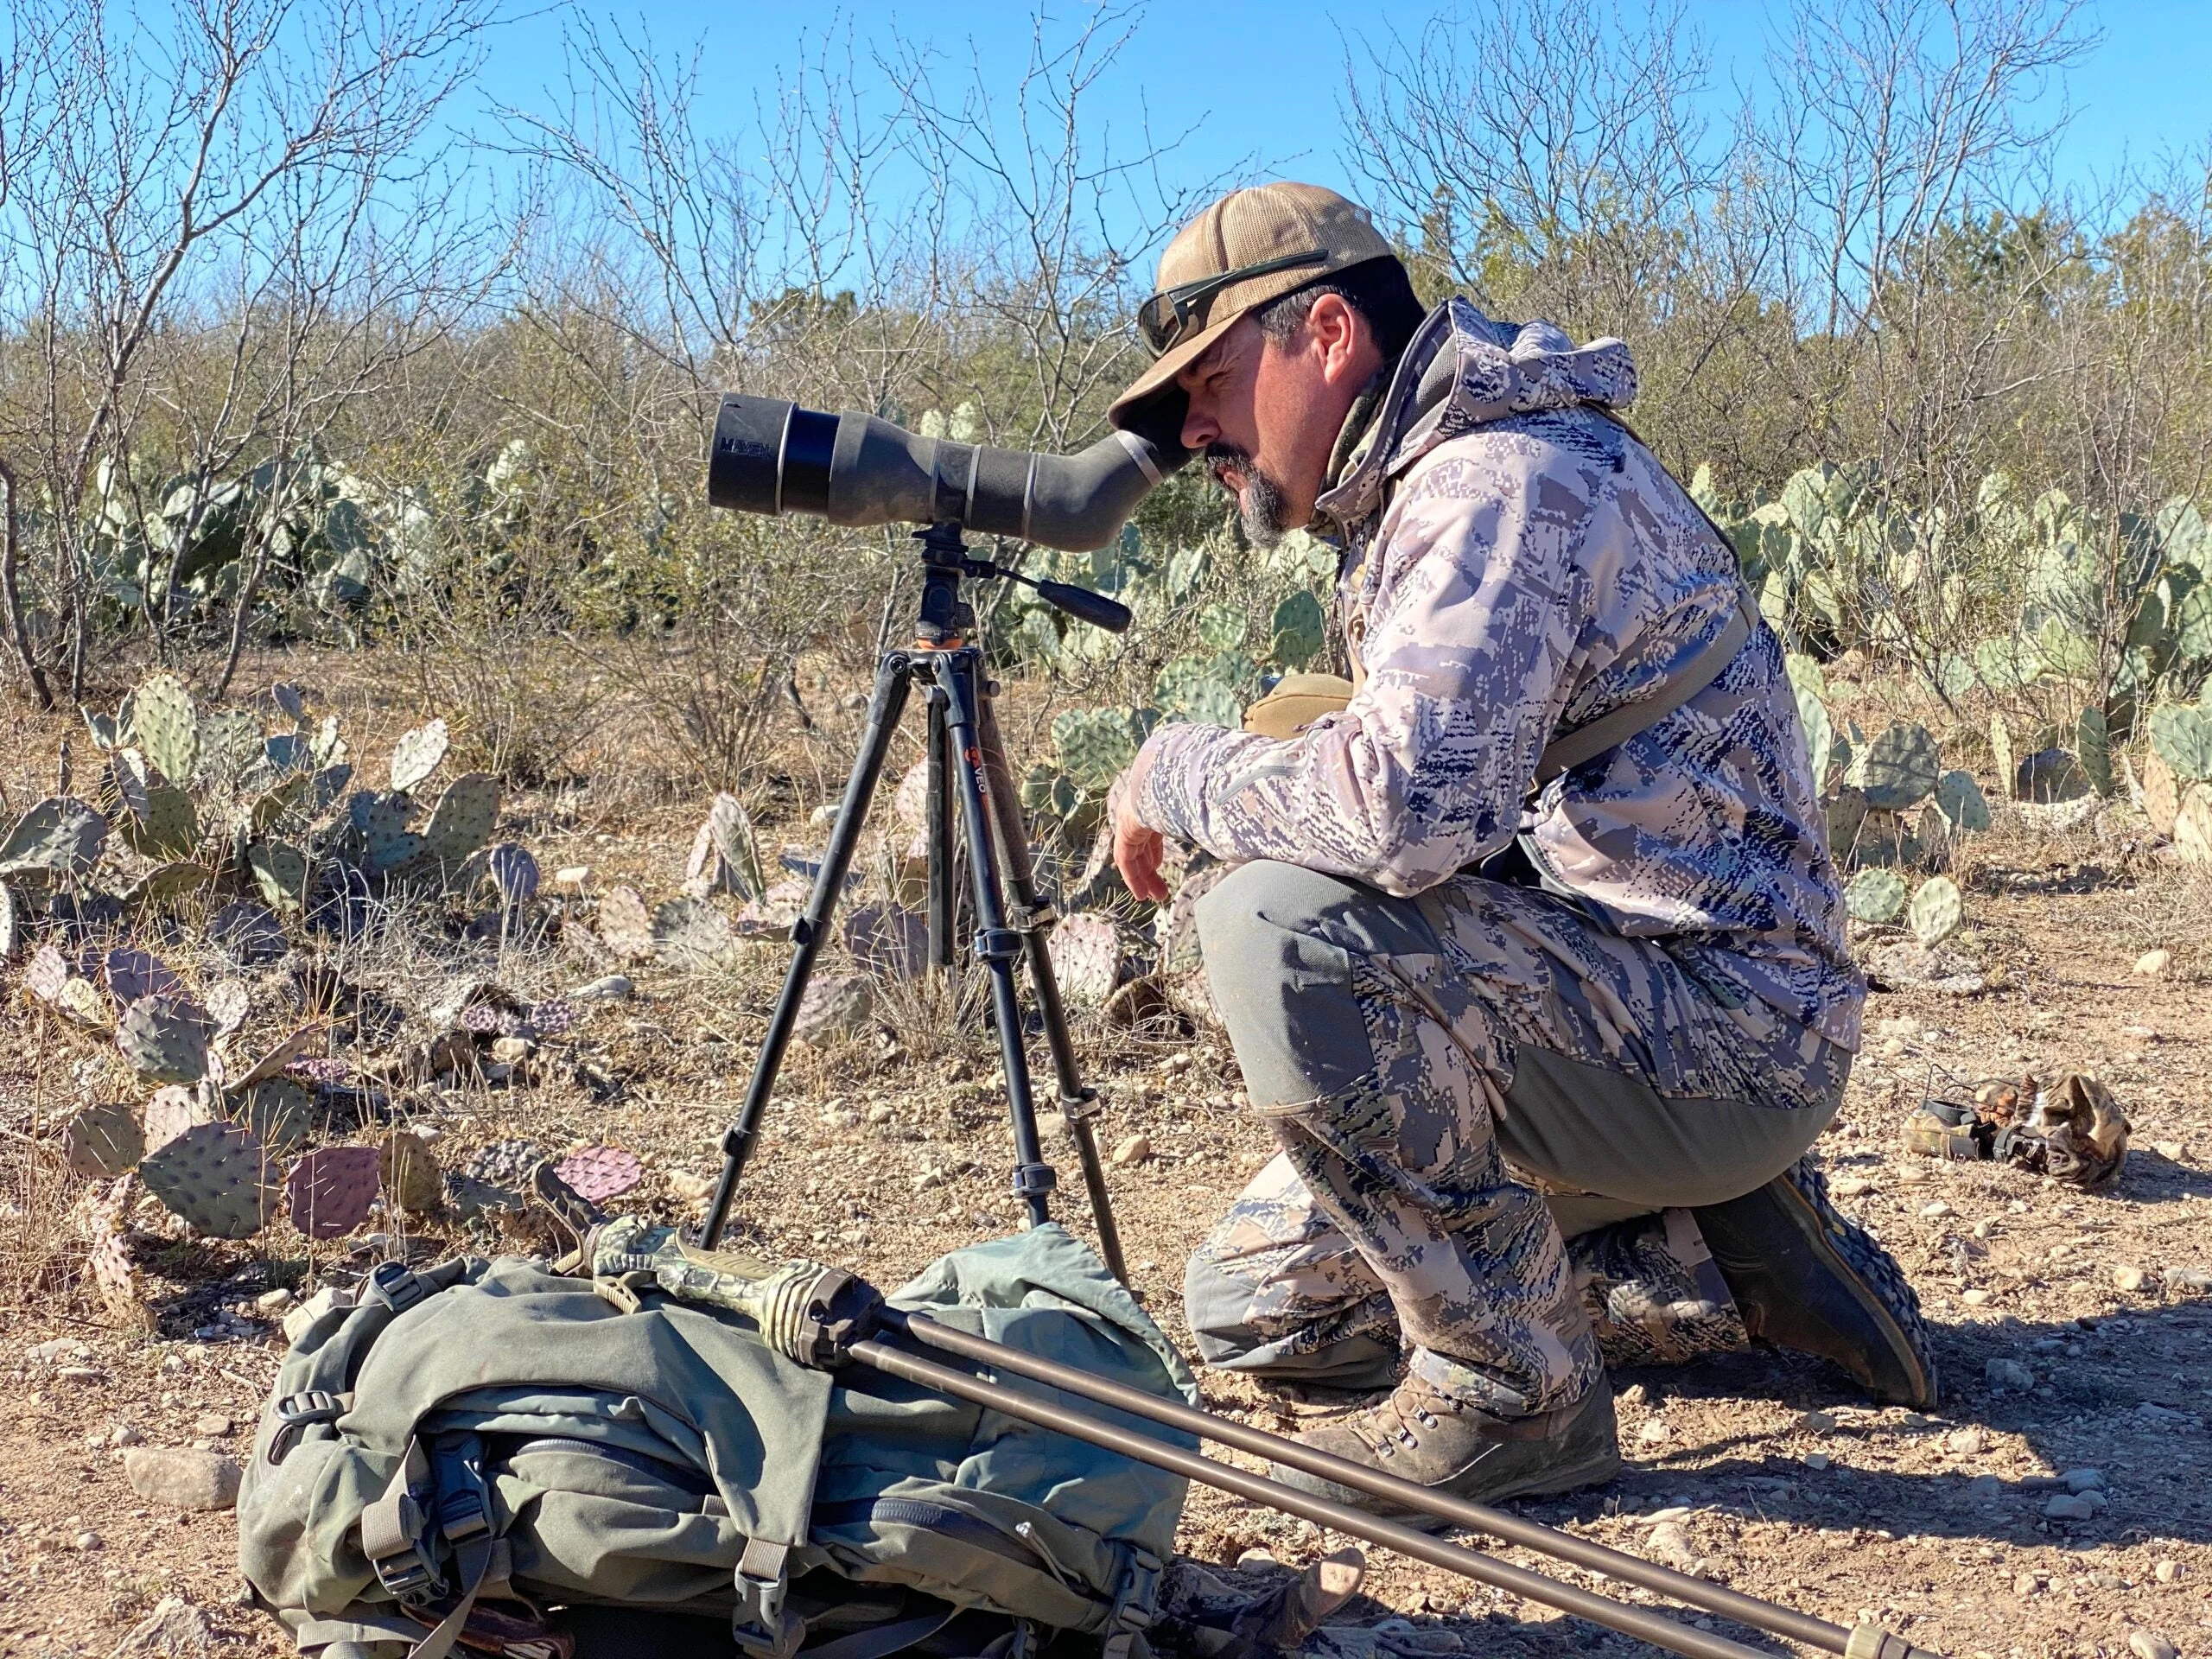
x: 1571, y: 747
x: 1136, y: 1602
x: 761, y: 1624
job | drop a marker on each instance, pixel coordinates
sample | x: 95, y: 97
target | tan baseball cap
x: 1298, y: 232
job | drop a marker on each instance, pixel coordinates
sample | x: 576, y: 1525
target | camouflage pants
x: 1443, y: 1072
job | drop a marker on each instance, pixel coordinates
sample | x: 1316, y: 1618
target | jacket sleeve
x: 1473, y: 620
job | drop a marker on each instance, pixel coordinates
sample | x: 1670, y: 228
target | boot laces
x: 1396, y: 1424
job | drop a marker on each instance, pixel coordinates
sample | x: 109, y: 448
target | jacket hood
x: 1460, y: 370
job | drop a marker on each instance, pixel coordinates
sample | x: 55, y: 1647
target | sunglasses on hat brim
x: 1173, y: 313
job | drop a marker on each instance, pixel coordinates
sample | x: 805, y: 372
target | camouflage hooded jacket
x: 1516, y: 562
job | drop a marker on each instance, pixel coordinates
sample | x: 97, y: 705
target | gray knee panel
x: 1278, y: 942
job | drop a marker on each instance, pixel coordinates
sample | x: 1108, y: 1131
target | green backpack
x: 489, y: 1452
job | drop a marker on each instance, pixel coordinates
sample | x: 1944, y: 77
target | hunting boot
x: 1456, y: 1448
x: 1806, y: 1278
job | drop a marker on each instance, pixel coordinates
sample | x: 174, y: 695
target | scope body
x: 771, y: 456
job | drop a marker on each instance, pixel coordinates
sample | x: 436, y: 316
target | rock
x: 122, y: 1434
x: 1935, y: 1210
x: 2070, y: 1506
x: 87, y: 1540
x: 2128, y: 1276
x: 615, y: 988
x: 1255, y: 1559
x: 2172, y: 1151
x: 572, y: 875
x: 1815, y: 1422
x: 2008, y: 1376
x: 1654, y: 1430
x: 2084, y: 1480
x: 879, y: 1115
x: 211, y: 1426
x: 2026, y: 1583
x: 183, y: 1479
x: 687, y: 1188
x: 835, y: 1005
x: 1850, y: 1187
x: 175, y: 1626
x: 2152, y: 964
x: 1977, y: 1297
x: 1671, y: 1512
x: 1134, y: 1150
x: 273, y: 1301
x: 2166, y: 1571
x: 510, y: 1050
x: 1817, y: 1461
x: 2149, y: 1644
x: 1966, y: 1442
x: 840, y: 1117
x: 1986, y: 1486
x: 1052, y: 1126
x: 2198, y: 1279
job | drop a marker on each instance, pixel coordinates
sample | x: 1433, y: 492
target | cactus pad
x: 464, y: 817
x: 115, y: 1272
x: 217, y: 1177
x: 598, y: 1173
x: 81, y: 1000
x: 1936, y: 911
x: 415, y: 756
x: 58, y: 838
x: 2049, y: 776
x: 2193, y: 825
x: 280, y: 1113
x: 1898, y: 769
x: 247, y: 930
x: 1094, y: 744
x: 889, y: 940
x: 1959, y: 800
x: 165, y: 722
x: 46, y: 972
x: 1875, y: 896
x: 2161, y: 796
x: 1201, y: 689
x: 272, y: 1064
x: 409, y: 1169
x: 171, y: 1112
x: 2180, y: 736
x: 329, y: 1191
x: 553, y: 1017
x: 1086, y: 958
x: 167, y: 881
x: 692, y: 935
x: 103, y: 1141
x: 624, y: 925
x: 103, y: 730
x: 168, y: 828
x: 165, y: 1038
x: 292, y: 700
x: 513, y: 872
x: 133, y: 974
x: 505, y: 1163
x: 1298, y: 631
x: 280, y: 872
x: 724, y: 857
x: 229, y: 743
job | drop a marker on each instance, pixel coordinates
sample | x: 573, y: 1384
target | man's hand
x: 1137, y: 850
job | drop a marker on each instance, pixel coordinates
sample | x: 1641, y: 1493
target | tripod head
x: 946, y: 564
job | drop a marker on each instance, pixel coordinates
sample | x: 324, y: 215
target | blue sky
x: 1262, y: 78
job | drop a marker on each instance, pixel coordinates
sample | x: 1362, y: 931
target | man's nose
x: 1200, y: 428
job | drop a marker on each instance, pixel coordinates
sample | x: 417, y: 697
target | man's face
x: 1267, y: 415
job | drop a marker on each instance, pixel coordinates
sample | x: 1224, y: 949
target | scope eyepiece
x: 771, y: 456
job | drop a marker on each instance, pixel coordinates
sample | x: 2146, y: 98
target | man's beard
x: 1261, y: 506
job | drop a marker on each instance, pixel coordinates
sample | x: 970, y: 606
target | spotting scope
x: 771, y: 456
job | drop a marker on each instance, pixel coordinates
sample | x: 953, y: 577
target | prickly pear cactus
x: 173, y: 1110
x: 60, y: 838
x: 280, y: 872
x: 416, y: 755
x: 601, y: 1173
x: 725, y: 856
x: 165, y: 722
x: 280, y: 1113
x: 217, y: 1177
x: 103, y: 1141
x: 165, y: 1038
x: 410, y: 1171
x: 1959, y: 798
x: 463, y: 819
x: 11, y: 926
x: 272, y: 1064
x: 2001, y: 752
x: 554, y: 1017
x: 46, y: 972
x: 2193, y: 825
x: 1875, y: 896
x: 890, y: 940
x: 1936, y: 911
x: 1094, y: 744
x: 131, y: 975
x: 1298, y: 631
x: 229, y: 743
x: 514, y: 874
x: 115, y: 1271
x: 1086, y: 958
x: 2180, y: 736
x: 2161, y: 794
x: 626, y: 927
x: 1199, y: 688
x: 692, y: 935
x: 1898, y: 769
x: 2093, y: 748
x: 329, y: 1191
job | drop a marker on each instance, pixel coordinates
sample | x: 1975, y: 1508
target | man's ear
x: 1336, y: 330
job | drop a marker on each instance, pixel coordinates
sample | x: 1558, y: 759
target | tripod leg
x: 888, y: 702
x: 944, y: 898
x: 997, y: 945
x: 1076, y: 1102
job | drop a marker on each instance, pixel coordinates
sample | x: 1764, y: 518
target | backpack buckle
x: 761, y: 1626
x: 297, y: 1413
x: 396, y: 1285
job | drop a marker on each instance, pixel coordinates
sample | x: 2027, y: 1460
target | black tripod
x: 966, y: 758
